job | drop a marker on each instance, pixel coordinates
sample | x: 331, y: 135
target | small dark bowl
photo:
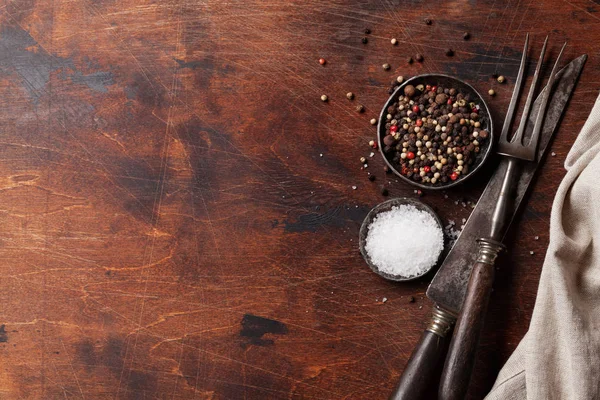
x: 387, y: 206
x: 449, y: 82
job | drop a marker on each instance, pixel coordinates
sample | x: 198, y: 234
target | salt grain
x: 404, y: 241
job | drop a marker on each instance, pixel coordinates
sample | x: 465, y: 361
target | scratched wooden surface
x: 177, y: 218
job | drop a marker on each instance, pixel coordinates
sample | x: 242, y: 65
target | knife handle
x: 423, y: 367
x: 461, y: 354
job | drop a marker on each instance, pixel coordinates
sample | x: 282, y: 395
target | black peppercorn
x: 410, y: 60
x: 367, y: 31
x: 449, y: 52
x: 466, y: 36
x: 428, y: 21
x: 419, y: 58
x: 384, y: 191
x: 371, y: 178
x: 411, y: 299
x: 365, y: 40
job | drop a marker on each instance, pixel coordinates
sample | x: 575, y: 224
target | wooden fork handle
x: 422, y: 371
x: 461, y: 354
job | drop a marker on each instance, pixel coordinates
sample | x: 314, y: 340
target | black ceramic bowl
x: 450, y: 82
x: 387, y: 206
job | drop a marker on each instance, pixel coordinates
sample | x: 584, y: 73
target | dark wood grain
x: 177, y: 218
x: 456, y: 374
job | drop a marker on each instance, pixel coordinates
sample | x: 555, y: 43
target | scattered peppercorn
x: 363, y: 160
x: 553, y: 154
x: 410, y: 60
x: 372, y: 178
x: 419, y: 58
x: 449, y: 52
x: 367, y: 31
x: 428, y: 21
x: 531, y: 252
x: 386, y: 169
x: 384, y: 192
x: 492, y: 92
x: 386, y: 66
x: 349, y: 95
x: 495, y: 76
x: 324, y: 97
x: 373, y: 121
x: 365, y: 40
x: 411, y: 299
x: 322, y: 61
x: 394, y: 41
x: 536, y: 238
x: 400, y: 79
x: 501, y: 79
x: 466, y: 36
x: 360, y: 108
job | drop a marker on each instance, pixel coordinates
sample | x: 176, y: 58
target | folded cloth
x: 559, y: 357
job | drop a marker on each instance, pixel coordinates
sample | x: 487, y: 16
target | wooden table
x: 178, y: 219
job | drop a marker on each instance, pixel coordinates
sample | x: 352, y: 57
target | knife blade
x: 448, y: 287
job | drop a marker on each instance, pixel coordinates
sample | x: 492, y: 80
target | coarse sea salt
x: 404, y: 241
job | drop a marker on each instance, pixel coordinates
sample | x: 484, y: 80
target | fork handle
x: 461, y: 354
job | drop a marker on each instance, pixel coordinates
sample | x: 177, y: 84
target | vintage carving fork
x: 461, y: 355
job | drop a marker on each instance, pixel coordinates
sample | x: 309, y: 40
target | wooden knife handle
x: 422, y: 371
x: 461, y: 354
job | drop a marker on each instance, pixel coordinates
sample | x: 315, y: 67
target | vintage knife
x: 448, y: 287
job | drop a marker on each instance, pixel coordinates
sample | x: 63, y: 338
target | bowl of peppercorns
x: 435, y: 131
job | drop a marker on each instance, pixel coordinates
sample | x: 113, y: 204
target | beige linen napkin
x: 559, y: 357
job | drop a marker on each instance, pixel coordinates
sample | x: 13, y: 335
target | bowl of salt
x: 401, y: 239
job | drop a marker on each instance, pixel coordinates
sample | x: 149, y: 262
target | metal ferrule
x: 441, y: 322
x: 488, y: 250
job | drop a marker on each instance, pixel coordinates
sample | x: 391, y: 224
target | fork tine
x: 515, y: 95
x: 518, y: 136
x: 539, y: 120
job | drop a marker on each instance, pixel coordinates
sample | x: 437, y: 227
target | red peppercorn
x: 419, y: 122
x: 475, y: 110
x: 434, y: 89
x: 416, y: 170
x: 416, y: 108
x: 427, y: 168
x: 454, y: 176
x: 404, y: 170
x: 449, y: 101
x: 428, y: 87
x: 410, y: 155
x: 322, y: 61
x: 394, y: 128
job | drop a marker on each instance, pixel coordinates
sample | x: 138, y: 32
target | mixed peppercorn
x: 433, y: 134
